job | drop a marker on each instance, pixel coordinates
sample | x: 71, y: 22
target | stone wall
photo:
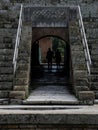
x: 47, y: 127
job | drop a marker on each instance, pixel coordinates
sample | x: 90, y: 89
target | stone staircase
x: 79, y: 67
x: 91, y: 25
x: 8, y: 29
x: 21, y: 79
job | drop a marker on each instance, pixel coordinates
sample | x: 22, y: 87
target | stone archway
x: 40, y: 33
x: 49, y: 21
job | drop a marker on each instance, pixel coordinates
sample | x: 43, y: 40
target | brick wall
x: 44, y: 44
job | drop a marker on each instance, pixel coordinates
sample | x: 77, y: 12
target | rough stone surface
x: 86, y: 97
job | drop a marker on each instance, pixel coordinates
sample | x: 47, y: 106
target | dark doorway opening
x: 40, y: 74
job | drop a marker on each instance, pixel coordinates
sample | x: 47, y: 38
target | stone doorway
x: 52, y: 86
x: 50, y: 23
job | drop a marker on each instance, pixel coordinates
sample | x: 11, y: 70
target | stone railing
x: 84, y: 40
x: 17, y: 39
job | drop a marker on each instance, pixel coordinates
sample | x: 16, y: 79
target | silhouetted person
x: 49, y: 57
x: 58, y: 58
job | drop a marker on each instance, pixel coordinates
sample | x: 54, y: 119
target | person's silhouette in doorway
x: 49, y: 57
x: 58, y: 58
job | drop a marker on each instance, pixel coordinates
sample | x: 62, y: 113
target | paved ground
x: 51, y: 95
x: 51, y: 88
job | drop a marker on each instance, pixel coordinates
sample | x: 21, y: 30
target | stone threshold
x: 41, y: 107
x: 38, y: 102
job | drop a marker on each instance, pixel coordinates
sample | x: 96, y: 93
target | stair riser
x: 94, y: 86
x: 94, y: 78
x: 6, y: 64
x: 6, y: 58
x: 6, y: 85
x: 6, y: 52
x: 6, y: 46
x: 6, y: 78
x: 6, y: 70
x: 4, y: 94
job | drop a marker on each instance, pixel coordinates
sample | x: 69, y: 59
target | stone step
x: 41, y: 107
x: 51, y: 102
x: 94, y: 70
x: 93, y: 41
x: 4, y: 94
x: 17, y: 94
x: 96, y: 94
x: 6, y: 70
x: 94, y: 57
x: 93, y: 46
x: 81, y: 82
x: 6, y: 85
x: 4, y: 101
x: 7, y: 34
x: 94, y: 78
x: 4, y: 77
x: 6, y: 64
x: 6, y: 58
x: 21, y: 88
x: 91, y: 24
x: 6, y: 52
x: 94, y: 52
x: 94, y: 86
x: 6, y: 46
x: 94, y: 64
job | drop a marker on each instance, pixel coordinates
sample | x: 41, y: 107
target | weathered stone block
x: 94, y: 78
x: 80, y: 74
x: 15, y: 101
x: 4, y: 94
x: 22, y: 88
x: 81, y: 88
x: 21, y: 81
x: 86, y: 97
x: 6, y: 51
x: 6, y: 85
x: 17, y: 94
x: 22, y: 66
x: 5, y: 77
x: 20, y: 74
x: 6, y: 58
x: 6, y: 70
x: 81, y: 82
